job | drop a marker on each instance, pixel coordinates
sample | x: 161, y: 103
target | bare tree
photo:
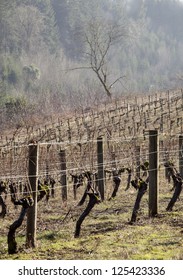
x: 100, y: 34
x: 99, y: 38
x: 102, y: 29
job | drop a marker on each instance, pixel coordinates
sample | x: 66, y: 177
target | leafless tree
x: 99, y: 38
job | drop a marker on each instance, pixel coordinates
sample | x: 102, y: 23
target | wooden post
x: 161, y: 123
x: 32, y: 211
x: 63, y: 178
x: 47, y: 162
x: 149, y: 103
x: 100, y: 167
x: 137, y: 155
x: 153, y: 172
x: 181, y: 155
x: 145, y: 120
x: 168, y: 103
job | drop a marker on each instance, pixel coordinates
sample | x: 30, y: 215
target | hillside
x: 106, y: 233
x: 55, y: 66
x: 123, y: 124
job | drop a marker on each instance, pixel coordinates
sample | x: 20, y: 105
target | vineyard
x: 94, y: 165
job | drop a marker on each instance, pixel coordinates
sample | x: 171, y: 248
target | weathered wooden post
x: 149, y: 102
x: 100, y: 167
x: 181, y: 155
x: 161, y: 123
x: 63, y: 178
x: 32, y: 211
x: 153, y: 172
x: 137, y: 155
x: 145, y: 120
x: 47, y: 161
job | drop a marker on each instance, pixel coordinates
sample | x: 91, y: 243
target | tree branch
x: 116, y: 81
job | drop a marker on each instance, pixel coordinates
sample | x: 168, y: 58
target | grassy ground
x: 105, y: 233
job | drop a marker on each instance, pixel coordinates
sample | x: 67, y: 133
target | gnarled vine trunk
x: 141, y: 191
x: 3, y: 206
x: 93, y: 199
x: 12, y: 244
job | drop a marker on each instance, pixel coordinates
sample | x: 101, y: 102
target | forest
x: 57, y: 56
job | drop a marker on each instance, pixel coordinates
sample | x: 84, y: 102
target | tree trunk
x: 93, y: 199
x: 3, y: 205
x: 142, y: 190
x: 85, y: 194
x: 26, y: 203
x: 117, y: 182
x: 129, y: 178
x: 12, y: 244
x: 176, y: 194
x: 88, y: 175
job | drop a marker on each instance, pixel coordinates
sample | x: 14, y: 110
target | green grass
x: 105, y: 233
